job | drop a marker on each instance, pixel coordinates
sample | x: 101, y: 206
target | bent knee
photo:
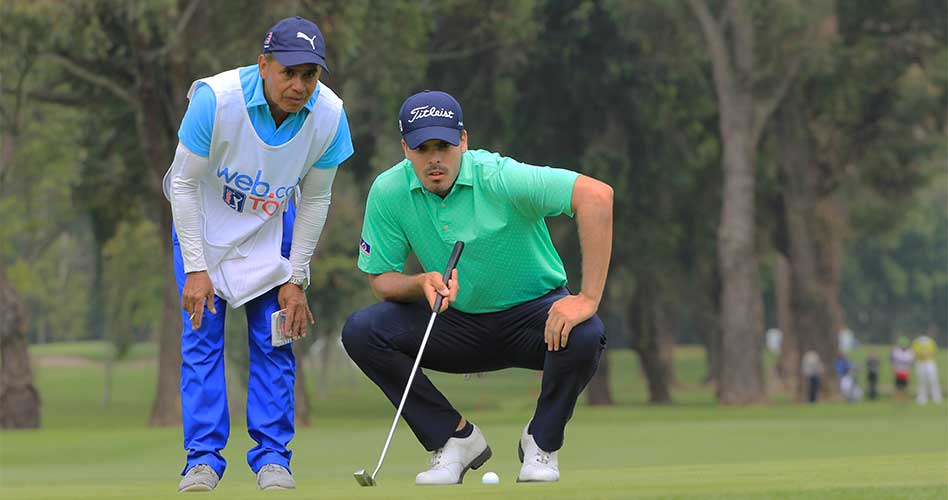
x: 588, y: 339
x: 355, y: 332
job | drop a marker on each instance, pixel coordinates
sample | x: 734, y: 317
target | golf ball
x: 490, y: 478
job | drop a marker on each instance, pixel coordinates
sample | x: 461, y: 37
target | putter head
x: 364, y: 478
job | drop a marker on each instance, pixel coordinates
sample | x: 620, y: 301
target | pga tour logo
x: 364, y: 247
x: 264, y: 196
x: 234, y: 199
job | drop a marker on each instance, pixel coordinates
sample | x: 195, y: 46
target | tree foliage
x: 622, y: 91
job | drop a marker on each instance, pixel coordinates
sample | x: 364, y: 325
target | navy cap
x: 431, y: 114
x: 295, y: 40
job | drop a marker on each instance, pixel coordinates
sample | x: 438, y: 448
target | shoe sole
x: 475, y: 464
x: 195, y: 488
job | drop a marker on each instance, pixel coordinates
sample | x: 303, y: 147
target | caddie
x: 250, y: 187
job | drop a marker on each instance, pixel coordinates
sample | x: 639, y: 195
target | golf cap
x: 294, y: 41
x: 431, y: 114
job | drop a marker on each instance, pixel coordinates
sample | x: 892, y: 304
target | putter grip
x: 452, y: 263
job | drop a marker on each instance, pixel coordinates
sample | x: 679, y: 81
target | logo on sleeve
x: 365, y: 248
x: 234, y: 199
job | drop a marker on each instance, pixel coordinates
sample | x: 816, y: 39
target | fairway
x: 690, y: 449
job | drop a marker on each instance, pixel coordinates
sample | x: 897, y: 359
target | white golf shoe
x: 450, y: 463
x: 538, y: 466
x: 201, y: 477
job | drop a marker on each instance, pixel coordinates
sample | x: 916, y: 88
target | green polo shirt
x: 496, y: 207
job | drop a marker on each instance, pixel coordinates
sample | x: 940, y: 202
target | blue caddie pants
x: 206, y: 420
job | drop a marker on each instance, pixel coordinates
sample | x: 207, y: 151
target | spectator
x: 812, y: 369
x: 872, y: 376
x: 902, y: 359
x: 847, y: 382
x: 926, y: 369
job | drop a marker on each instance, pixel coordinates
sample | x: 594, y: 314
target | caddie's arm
x: 186, y: 172
x: 311, y: 212
x: 592, y: 204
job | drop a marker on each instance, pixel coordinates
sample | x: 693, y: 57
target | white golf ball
x: 490, y: 478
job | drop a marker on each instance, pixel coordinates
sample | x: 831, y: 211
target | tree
x: 623, y: 99
x: 132, y: 286
x: 832, y: 141
x: 749, y: 87
x: 19, y: 399
x: 144, y: 54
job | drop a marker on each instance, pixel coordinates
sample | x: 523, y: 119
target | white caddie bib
x: 248, y: 186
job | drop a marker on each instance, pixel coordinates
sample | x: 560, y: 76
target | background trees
x: 805, y: 139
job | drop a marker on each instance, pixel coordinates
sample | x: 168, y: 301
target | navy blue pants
x: 270, y: 404
x: 383, y: 339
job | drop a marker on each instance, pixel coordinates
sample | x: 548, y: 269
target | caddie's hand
x: 433, y: 285
x: 565, y: 314
x: 198, y: 291
x: 298, y: 316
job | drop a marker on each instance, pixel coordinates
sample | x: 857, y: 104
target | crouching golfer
x: 508, y: 303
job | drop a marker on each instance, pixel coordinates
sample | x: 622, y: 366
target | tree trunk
x: 162, y: 94
x: 19, y: 399
x: 742, y: 113
x: 708, y: 308
x: 166, y: 407
x: 788, y: 362
x: 712, y: 355
x: 741, y: 319
x: 107, y: 386
x: 811, y: 244
x: 644, y: 312
x: 301, y: 394
x: 597, y: 392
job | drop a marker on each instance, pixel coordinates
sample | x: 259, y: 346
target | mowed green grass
x: 690, y: 449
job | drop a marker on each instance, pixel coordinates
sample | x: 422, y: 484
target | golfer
x: 509, y: 306
x: 254, y: 141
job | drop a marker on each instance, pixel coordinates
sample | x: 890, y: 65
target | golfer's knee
x: 587, y: 341
x: 355, y: 334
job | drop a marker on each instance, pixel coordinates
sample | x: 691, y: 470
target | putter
x: 361, y: 476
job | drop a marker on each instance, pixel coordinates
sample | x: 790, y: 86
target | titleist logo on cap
x: 426, y: 111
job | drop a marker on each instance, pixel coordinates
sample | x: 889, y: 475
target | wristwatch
x: 301, y: 281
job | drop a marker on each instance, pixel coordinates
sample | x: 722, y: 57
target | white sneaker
x: 450, y: 463
x: 538, y: 466
x: 275, y: 477
x: 201, y: 477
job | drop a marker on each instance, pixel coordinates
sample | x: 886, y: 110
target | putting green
x: 692, y: 449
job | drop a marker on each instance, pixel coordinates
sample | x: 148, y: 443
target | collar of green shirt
x: 465, y: 175
x: 258, y: 98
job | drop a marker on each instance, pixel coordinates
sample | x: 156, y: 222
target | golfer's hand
x: 298, y: 316
x: 565, y: 314
x: 433, y: 285
x: 198, y: 291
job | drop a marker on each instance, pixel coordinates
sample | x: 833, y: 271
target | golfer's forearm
x: 315, y: 196
x: 186, y: 171
x: 397, y: 286
x: 592, y: 203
